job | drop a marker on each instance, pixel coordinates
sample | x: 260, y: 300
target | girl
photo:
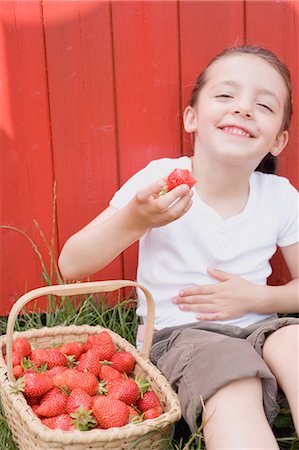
x: 204, y: 253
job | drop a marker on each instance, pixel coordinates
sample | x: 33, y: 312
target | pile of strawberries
x: 83, y: 385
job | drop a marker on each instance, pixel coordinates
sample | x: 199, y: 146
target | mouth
x: 236, y: 131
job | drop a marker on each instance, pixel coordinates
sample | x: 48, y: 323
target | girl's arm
x: 285, y: 298
x: 234, y: 296
x: 105, y: 237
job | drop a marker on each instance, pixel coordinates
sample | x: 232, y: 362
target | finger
x: 172, y: 197
x: 150, y: 189
x: 210, y: 316
x: 180, y: 207
x: 219, y: 274
x: 203, y: 289
x: 198, y: 308
x: 193, y: 299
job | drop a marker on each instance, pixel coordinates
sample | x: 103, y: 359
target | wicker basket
x: 28, y: 431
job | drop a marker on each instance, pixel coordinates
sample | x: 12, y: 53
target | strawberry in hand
x: 176, y: 178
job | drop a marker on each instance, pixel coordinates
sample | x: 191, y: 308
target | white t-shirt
x: 177, y: 255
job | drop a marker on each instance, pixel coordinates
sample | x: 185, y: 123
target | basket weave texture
x: 28, y: 431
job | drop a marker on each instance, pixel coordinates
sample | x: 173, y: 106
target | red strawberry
x: 149, y: 400
x: 110, y: 412
x: 72, y: 379
x: 176, y: 178
x: 21, y: 345
x: 52, y: 404
x: 103, y: 341
x: 107, y: 373
x: 51, y: 357
x: 72, y: 349
x: 125, y: 390
x: 133, y: 411
x: 35, y: 384
x: 55, y: 371
x: 134, y: 416
x: 34, y: 408
x: 18, y: 371
x: 17, y: 358
x: 78, y: 397
x: 123, y: 362
x: 63, y: 422
x: 90, y: 362
x: 151, y: 413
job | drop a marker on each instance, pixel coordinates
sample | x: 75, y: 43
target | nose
x: 243, y: 112
x: 243, y: 107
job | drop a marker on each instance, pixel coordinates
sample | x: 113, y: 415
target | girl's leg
x: 235, y: 418
x: 280, y: 353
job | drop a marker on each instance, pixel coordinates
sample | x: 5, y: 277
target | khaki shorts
x: 198, y: 359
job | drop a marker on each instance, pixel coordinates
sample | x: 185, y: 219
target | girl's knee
x: 238, y: 391
x: 282, y: 342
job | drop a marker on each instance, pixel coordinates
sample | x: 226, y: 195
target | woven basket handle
x: 78, y: 289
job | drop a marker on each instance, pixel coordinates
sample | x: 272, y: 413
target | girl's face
x: 239, y: 111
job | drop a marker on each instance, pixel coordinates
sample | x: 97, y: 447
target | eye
x: 224, y: 96
x: 265, y: 106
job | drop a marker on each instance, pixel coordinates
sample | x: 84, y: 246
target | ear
x: 280, y: 143
x: 190, y: 122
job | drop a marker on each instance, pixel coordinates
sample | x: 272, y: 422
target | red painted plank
x: 26, y: 160
x: 147, y: 87
x: 274, y: 25
x: 80, y: 70
x: 206, y: 28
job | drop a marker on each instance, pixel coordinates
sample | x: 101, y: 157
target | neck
x: 224, y: 188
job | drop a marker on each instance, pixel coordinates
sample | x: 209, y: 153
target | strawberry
x: 83, y: 419
x: 17, y: 358
x: 21, y: 345
x: 134, y: 416
x: 151, y: 413
x: 78, y: 397
x: 110, y: 412
x: 34, y: 408
x: 125, y: 390
x: 72, y: 379
x: 55, y: 371
x: 178, y: 177
x: 35, y: 384
x: 123, y: 362
x: 90, y: 362
x: 72, y: 349
x: 51, y: 357
x: 53, y: 403
x: 109, y: 374
x: 104, y: 343
x: 63, y: 422
x: 18, y: 371
x: 149, y: 400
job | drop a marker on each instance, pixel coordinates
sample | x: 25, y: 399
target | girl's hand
x: 232, y: 297
x: 149, y: 210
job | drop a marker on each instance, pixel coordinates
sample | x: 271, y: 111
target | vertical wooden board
x: 147, y: 82
x: 80, y: 70
x: 145, y: 36
x: 274, y: 25
x: 206, y: 28
x: 26, y: 160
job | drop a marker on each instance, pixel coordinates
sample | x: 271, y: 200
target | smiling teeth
x: 236, y: 131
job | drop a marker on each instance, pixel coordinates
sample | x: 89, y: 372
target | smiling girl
x: 204, y: 252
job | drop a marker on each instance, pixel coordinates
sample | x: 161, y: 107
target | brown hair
x: 269, y: 163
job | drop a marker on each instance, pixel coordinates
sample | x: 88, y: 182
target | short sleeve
x: 288, y: 204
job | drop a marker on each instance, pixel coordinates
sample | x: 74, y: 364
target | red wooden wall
x: 91, y: 91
